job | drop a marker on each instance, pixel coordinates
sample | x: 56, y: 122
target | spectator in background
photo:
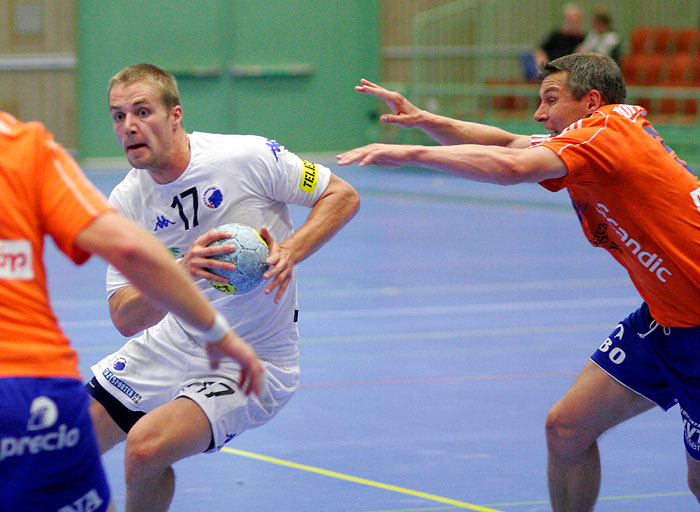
x: 561, y: 41
x: 602, y: 39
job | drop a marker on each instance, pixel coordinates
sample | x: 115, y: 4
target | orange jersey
x: 635, y: 198
x: 42, y: 191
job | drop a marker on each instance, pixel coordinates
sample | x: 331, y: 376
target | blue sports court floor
x: 437, y: 329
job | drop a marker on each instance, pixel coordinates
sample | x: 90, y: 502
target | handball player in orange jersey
x: 49, y: 458
x: 635, y: 198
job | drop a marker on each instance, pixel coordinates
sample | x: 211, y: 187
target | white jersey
x: 600, y: 43
x: 230, y: 178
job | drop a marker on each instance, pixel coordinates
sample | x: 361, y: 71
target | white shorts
x: 144, y: 374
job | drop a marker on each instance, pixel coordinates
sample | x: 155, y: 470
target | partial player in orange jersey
x: 634, y: 198
x: 49, y: 459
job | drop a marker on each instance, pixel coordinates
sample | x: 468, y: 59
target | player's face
x: 144, y: 127
x: 558, y: 108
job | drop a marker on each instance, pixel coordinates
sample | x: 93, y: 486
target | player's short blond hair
x: 164, y: 81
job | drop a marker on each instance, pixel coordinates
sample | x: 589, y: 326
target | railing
x: 462, y: 58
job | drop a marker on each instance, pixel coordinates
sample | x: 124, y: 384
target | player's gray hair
x: 588, y: 71
x: 166, y: 83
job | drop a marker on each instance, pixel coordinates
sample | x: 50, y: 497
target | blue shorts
x: 660, y: 363
x: 49, y: 458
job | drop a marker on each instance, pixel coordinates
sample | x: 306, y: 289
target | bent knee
x: 142, y: 457
x: 566, y: 435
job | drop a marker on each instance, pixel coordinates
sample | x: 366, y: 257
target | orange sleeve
x: 69, y: 202
x: 42, y: 191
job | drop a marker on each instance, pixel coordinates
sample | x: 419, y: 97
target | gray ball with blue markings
x: 249, y: 258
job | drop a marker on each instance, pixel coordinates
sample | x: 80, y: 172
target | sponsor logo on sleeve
x: 309, y: 175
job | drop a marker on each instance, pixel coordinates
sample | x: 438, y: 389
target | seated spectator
x: 602, y: 39
x: 563, y: 40
x: 559, y: 42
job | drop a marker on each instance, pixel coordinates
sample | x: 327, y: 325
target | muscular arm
x: 335, y: 208
x: 145, y: 262
x: 448, y: 131
x: 132, y: 312
x: 148, y: 264
x: 338, y: 204
x: 445, y: 130
x: 488, y: 164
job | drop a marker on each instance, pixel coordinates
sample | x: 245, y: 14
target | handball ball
x: 249, y: 258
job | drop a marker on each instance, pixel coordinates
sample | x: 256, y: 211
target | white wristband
x: 216, y: 331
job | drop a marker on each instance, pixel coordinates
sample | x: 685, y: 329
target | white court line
x: 79, y: 303
x: 561, y: 284
x: 495, y: 307
x: 457, y: 333
x: 427, y: 335
x: 86, y: 324
x: 394, y: 291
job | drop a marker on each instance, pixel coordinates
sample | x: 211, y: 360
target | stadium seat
x: 688, y: 41
x: 664, y: 40
x: 664, y: 57
x: 641, y: 40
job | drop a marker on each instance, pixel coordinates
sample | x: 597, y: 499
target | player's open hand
x: 233, y: 346
x: 198, y: 260
x: 281, y: 262
x: 405, y: 113
x: 390, y: 156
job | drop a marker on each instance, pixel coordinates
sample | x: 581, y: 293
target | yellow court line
x: 357, y: 480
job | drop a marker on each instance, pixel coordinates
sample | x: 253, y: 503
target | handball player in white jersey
x: 158, y: 391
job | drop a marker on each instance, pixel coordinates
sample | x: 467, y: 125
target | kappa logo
x: 43, y: 413
x: 276, y: 148
x: 163, y: 222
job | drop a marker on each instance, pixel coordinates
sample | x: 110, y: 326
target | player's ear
x: 176, y: 114
x: 594, y: 99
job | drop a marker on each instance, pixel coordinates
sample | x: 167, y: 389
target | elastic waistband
x: 284, y: 359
